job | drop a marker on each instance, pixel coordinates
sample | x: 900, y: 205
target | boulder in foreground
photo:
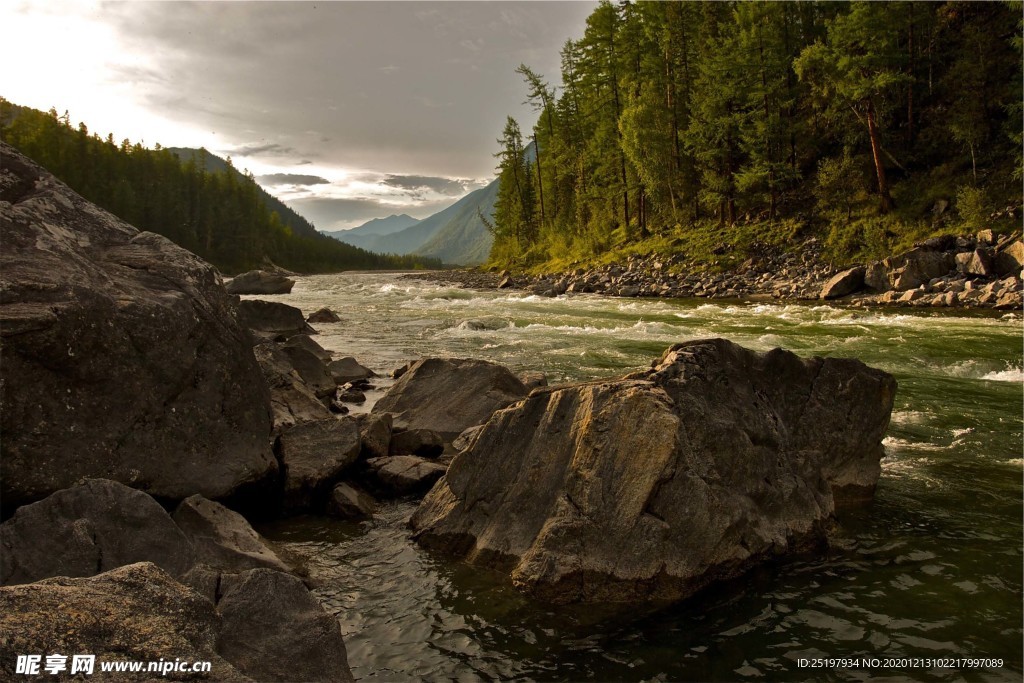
x: 658, y: 484
x: 122, y: 355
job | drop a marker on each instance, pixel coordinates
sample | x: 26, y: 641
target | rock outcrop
x: 122, y: 355
x: 260, y: 282
x: 655, y: 485
x: 449, y: 395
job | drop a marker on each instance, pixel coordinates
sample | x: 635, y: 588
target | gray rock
x: 222, y: 538
x: 304, y: 341
x: 629, y: 291
x: 260, y: 282
x: 425, y: 443
x: 348, y: 369
x: 314, y: 455
x: 466, y: 438
x: 291, y: 401
x: 136, y: 612
x: 272, y: 319
x: 311, y: 369
x: 405, y: 474
x: 375, y: 434
x: 121, y: 356
x: 350, y: 395
x: 449, y: 395
x: 1010, y: 259
x: 87, y: 529
x: 323, y: 315
x: 658, y: 484
x: 274, y: 630
x: 533, y: 379
x: 917, y: 266
x: 976, y: 262
x: 348, y: 502
x: 876, y: 277
x: 844, y: 283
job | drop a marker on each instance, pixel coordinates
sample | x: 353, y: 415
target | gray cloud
x: 328, y: 213
x: 390, y: 87
x: 291, y: 179
x: 446, y: 186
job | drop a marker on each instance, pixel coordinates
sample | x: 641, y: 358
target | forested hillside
x: 220, y: 215
x: 718, y: 129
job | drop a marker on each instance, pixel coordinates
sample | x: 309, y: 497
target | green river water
x: 931, y: 569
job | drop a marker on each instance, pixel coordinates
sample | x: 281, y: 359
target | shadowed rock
x: 844, y: 283
x: 657, y: 484
x: 272, y: 320
x: 292, y: 401
x: 222, y: 538
x: 122, y: 356
x: 314, y: 455
x: 399, y: 475
x: 88, y: 529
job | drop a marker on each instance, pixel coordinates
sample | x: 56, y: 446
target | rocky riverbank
x: 979, y: 271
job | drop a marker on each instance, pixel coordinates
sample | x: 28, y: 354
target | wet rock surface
x: 260, y: 282
x: 658, y: 484
x: 314, y: 456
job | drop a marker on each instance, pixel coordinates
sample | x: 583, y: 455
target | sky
x: 347, y: 111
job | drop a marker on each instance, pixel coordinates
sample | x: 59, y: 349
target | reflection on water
x: 932, y: 568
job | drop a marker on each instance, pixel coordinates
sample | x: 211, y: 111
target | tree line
x: 852, y: 121
x: 221, y: 216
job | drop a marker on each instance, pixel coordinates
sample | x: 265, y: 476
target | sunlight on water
x: 931, y: 568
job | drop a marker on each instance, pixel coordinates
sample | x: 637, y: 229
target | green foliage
x: 705, y: 126
x: 222, y: 215
x: 974, y: 206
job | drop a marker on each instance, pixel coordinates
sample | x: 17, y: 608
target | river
x: 931, y: 569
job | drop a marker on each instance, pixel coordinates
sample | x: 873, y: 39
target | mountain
x: 377, y: 226
x: 464, y: 238
x: 456, y: 234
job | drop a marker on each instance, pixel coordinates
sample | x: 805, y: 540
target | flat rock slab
x: 315, y: 454
x: 405, y: 474
x: 88, y: 529
x: 222, y: 538
x: 449, y: 395
x: 136, y: 612
x: 122, y: 356
x: 272, y: 318
x: 348, y: 369
x: 653, y: 486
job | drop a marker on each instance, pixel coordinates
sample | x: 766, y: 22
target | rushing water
x: 931, y: 569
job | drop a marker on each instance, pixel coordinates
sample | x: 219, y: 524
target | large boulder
x: 133, y: 613
x: 87, y: 529
x: 314, y: 455
x: 917, y: 267
x: 311, y: 369
x: 400, y: 475
x: 222, y: 538
x: 292, y: 401
x: 121, y: 356
x: 449, y: 395
x: 260, y: 282
x: 348, y: 369
x: 304, y: 341
x: 844, y: 283
x: 274, y: 630
x: 271, y: 319
x: 1010, y: 259
x: 876, y: 277
x: 657, y: 484
x: 976, y: 262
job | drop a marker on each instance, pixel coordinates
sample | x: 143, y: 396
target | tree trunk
x: 540, y: 180
x: 876, y: 153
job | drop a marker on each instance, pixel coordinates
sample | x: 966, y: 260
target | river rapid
x: 931, y: 569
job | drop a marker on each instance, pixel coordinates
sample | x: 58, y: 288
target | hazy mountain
x: 463, y: 238
x: 378, y: 226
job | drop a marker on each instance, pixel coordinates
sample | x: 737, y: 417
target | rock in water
x: 323, y: 315
x: 135, y: 612
x: 657, y: 484
x: 260, y: 282
x: 273, y: 320
x: 314, y: 455
x: 222, y: 538
x: 449, y: 395
x: 274, y: 630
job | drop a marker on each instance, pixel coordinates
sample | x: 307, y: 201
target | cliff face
x: 122, y: 356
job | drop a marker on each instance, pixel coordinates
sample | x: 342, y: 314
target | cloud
x: 330, y: 213
x: 445, y: 186
x: 264, y: 149
x: 291, y: 179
